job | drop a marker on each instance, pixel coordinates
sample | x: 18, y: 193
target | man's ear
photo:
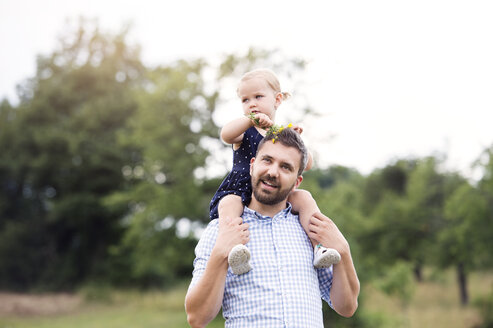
x: 251, y: 165
x: 298, y: 181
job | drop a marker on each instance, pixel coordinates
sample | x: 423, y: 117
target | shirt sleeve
x: 325, y: 283
x: 203, y: 251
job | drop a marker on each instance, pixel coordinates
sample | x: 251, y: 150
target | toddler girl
x: 260, y: 95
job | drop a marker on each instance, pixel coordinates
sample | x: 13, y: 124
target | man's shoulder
x: 208, y: 236
x: 210, y: 231
x: 213, y: 225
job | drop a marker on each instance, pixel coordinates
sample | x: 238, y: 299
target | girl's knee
x: 229, y: 200
x: 301, y: 195
x: 230, y: 205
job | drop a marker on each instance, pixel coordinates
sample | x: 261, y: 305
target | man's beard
x: 269, y: 197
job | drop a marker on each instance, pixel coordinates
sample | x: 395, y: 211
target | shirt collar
x: 282, y: 214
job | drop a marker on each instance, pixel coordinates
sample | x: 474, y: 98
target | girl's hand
x: 262, y: 121
x: 297, y: 128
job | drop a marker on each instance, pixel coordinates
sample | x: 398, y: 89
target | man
x: 283, y: 289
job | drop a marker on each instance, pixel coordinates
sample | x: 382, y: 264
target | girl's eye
x: 244, y: 100
x: 258, y: 96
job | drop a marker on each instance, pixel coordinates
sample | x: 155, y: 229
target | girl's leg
x: 303, y: 203
x: 231, y: 206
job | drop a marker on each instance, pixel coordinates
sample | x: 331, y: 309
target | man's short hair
x: 289, y: 138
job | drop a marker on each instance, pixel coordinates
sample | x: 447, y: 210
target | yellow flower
x: 276, y: 129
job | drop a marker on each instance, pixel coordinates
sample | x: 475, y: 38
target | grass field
x: 435, y: 304
x: 108, y: 309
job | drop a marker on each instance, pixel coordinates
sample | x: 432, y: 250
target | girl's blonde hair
x: 269, y: 77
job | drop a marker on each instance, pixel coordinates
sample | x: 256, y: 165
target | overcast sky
x: 392, y: 78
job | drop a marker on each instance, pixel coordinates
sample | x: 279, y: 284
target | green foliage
x: 398, y: 281
x: 390, y: 235
x: 173, y: 116
x: 62, y: 157
x: 100, y: 167
x: 485, y: 162
x: 485, y: 306
x: 485, y: 186
x: 96, y: 293
x: 425, y: 197
x: 404, y: 204
x: 172, y: 119
x: 392, y: 178
x: 463, y: 238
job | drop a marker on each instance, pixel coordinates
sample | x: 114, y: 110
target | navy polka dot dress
x: 238, y: 180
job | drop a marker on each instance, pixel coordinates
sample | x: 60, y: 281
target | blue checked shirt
x: 283, y: 289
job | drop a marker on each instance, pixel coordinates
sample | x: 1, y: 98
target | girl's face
x: 258, y: 97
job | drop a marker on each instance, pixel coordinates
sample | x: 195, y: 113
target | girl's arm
x: 232, y: 133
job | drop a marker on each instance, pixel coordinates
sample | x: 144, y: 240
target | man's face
x: 275, y: 173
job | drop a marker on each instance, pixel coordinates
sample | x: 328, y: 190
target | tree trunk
x: 462, y: 280
x: 418, y: 274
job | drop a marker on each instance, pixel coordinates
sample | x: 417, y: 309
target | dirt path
x: 33, y: 305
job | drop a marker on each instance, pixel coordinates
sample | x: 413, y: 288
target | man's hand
x: 326, y: 232
x: 345, y: 288
x: 232, y: 231
x: 203, y: 301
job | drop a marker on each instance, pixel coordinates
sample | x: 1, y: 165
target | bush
x: 485, y: 306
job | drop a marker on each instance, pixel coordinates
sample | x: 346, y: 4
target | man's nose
x: 273, y: 171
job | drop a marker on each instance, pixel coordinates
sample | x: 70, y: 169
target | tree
x: 425, y: 194
x: 55, y: 229
x: 174, y: 114
x: 462, y: 241
x: 466, y: 237
x: 404, y: 203
x: 392, y: 178
x: 485, y: 186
